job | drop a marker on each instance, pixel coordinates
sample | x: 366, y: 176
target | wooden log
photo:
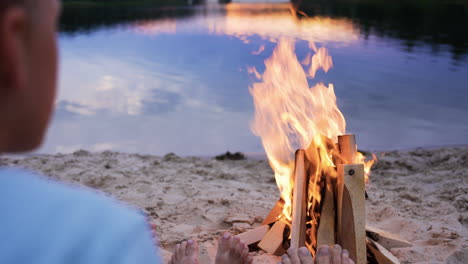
x: 299, y: 204
x: 380, y: 254
x: 274, y: 213
x: 255, y: 235
x: 386, y: 239
x: 348, y: 148
x: 352, y: 212
x: 336, y: 155
x: 326, y: 229
x: 272, y: 242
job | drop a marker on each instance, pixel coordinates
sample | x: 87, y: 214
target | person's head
x: 28, y: 69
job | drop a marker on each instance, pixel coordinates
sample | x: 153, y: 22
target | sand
x: 421, y: 195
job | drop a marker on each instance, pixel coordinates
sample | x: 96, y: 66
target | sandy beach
x: 421, y: 195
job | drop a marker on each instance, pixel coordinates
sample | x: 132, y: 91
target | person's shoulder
x: 21, y: 188
x: 54, y: 221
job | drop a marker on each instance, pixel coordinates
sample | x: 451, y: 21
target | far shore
x: 113, y: 3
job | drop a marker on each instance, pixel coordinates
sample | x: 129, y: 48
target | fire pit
x: 323, y: 183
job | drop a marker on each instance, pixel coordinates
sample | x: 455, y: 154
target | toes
x: 245, y: 252
x: 182, y: 249
x: 233, y: 243
x: 176, y: 255
x: 285, y: 259
x: 224, y: 242
x: 239, y: 248
x: 323, y: 255
x: 304, y: 256
x: 192, y: 248
x: 294, y: 258
x: 336, y: 254
x: 345, y: 257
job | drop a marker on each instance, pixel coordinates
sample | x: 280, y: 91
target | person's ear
x: 13, y: 49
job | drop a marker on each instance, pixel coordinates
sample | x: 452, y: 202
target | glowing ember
x: 290, y: 115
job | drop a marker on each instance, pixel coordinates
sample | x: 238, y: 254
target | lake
x: 155, y: 80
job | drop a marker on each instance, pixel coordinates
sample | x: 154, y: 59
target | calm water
x: 154, y: 80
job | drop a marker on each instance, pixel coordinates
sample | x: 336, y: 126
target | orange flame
x: 290, y: 115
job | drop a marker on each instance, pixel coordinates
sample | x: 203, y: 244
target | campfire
x: 318, y: 169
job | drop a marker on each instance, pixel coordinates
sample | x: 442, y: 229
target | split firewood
x: 348, y: 148
x: 351, y: 209
x: 380, y: 254
x: 386, y: 239
x: 255, y: 235
x: 336, y: 155
x: 326, y: 229
x: 299, y: 204
x: 272, y: 242
x: 274, y: 213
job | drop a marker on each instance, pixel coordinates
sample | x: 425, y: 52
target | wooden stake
x: 348, y: 148
x: 386, y: 239
x: 351, y: 208
x: 254, y: 235
x: 274, y: 213
x: 326, y: 229
x: 273, y: 240
x: 299, y: 205
x: 381, y: 255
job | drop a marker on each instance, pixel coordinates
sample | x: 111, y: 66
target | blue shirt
x: 45, y: 222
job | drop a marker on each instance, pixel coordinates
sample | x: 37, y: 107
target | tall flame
x: 290, y: 115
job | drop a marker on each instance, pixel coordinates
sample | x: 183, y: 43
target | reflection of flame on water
x: 290, y: 115
x: 269, y: 21
x: 274, y: 21
x: 156, y: 27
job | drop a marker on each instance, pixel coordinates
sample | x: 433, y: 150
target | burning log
x: 299, y: 205
x: 351, y: 204
x: 272, y: 242
x: 348, y: 149
x: 255, y: 235
x: 351, y: 201
x: 327, y: 207
x: 274, y: 213
x: 386, y: 239
x: 326, y: 229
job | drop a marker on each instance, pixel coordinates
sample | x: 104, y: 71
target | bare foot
x: 232, y: 251
x: 294, y: 256
x: 185, y: 253
x: 332, y: 255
